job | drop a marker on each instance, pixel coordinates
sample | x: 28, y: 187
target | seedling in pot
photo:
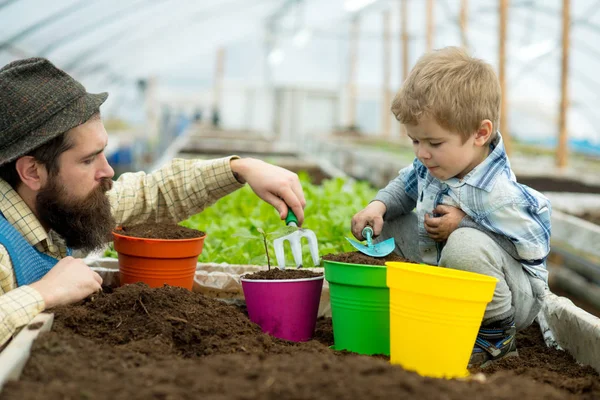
x: 265, y: 237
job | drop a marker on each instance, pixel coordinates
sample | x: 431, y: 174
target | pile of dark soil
x: 356, y: 257
x: 165, y: 321
x: 169, y: 343
x: 159, y: 231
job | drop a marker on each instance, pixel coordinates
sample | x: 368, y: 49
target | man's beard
x: 85, y: 224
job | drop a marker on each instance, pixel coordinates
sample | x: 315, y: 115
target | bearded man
x: 57, y: 192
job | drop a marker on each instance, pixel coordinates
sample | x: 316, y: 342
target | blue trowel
x: 381, y: 249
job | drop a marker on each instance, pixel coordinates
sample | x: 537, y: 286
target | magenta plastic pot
x: 286, y: 309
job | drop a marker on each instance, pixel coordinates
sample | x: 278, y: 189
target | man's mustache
x: 106, y: 184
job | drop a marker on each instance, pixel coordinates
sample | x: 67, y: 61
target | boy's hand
x: 439, y: 228
x: 371, y: 215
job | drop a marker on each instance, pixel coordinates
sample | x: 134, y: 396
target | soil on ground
x: 276, y: 274
x: 593, y: 217
x: 159, y: 231
x: 356, y: 257
x: 170, y: 343
x: 548, y: 184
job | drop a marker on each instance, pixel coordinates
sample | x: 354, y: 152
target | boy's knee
x: 467, y: 249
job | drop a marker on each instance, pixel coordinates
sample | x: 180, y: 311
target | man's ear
x: 483, y: 133
x: 32, y: 174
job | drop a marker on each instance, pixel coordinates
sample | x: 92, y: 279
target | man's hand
x: 371, y: 215
x: 275, y: 185
x: 70, y: 280
x: 440, y: 228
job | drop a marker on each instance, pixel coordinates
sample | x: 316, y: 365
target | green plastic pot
x: 360, y: 307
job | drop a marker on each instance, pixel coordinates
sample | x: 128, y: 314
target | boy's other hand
x: 439, y: 228
x: 371, y: 215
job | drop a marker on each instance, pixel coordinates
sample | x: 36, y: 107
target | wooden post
x: 562, y: 149
x: 463, y: 22
x: 353, y: 61
x: 218, y: 78
x: 430, y: 24
x: 152, y: 113
x: 404, y: 37
x: 404, y: 50
x: 386, y: 99
x: 502, y: 75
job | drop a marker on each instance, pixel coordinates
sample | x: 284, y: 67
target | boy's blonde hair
x: 455, y: 89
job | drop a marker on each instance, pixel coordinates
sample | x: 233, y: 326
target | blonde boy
x: 469, y: 211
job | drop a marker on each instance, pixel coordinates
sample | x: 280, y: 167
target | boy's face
x: 443, y: 152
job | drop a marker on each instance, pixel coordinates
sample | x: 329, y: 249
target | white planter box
x: 16, y: 353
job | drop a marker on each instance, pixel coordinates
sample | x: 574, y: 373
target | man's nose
x: 106, y: 171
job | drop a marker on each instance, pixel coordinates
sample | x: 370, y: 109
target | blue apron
x: 29, y: 264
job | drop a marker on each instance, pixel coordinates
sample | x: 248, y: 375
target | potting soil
x: 356, y: 257
x: 276, y: 273
x: 160, y: 231
x: 170, y: 343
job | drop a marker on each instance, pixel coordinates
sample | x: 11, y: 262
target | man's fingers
x: 297, y: 189
x: 287, y: 199
x: 292, y: 201
x: 299, y: 211
x: 276, y: 202
x: 97, y: 277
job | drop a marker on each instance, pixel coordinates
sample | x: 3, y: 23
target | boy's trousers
x: 518, y: 294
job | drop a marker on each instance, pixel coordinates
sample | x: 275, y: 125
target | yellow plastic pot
x: 435, y: 314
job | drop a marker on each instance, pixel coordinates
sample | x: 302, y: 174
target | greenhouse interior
x: 299, y: 199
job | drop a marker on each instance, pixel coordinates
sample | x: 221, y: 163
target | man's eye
x: 415, y: 142
x: 435, y: 144
x: 88, y: 161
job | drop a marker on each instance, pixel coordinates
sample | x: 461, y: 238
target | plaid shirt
x: 171, y: 194
x: 489, y: 194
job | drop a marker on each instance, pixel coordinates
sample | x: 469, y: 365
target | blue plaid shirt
x: 489, y: 194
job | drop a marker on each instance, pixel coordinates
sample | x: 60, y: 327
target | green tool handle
x: 291, y: 218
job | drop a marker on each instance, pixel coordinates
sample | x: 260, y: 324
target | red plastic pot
x: 158, y: 261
